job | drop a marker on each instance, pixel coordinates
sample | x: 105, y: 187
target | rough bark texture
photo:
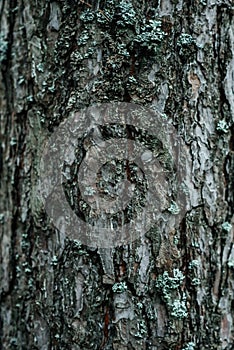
x: 177, y: 290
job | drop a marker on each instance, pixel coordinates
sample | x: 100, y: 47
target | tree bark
x: 167, y: 290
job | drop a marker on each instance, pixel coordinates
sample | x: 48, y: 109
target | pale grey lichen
x: 196, y: 281
x: 185, y: 43
x: 29, y: 98
x: 142, y: 329
x: 89, y: 191
x: 185, y: 40
x: 87, y: 16
x: 164, y: 116
x: 139, y: 305
x: 3, y: 47
x: 166, y: 284
x: 126, y: 13
x: 83, y: 38
x: 174, y: 209
x: 122, y: 50
x: 104, y: 18
x: 77, y: 247
x: 77, y: 244
x: 179, y: 309
x: 119, y: 287
x: 13, y: 141
x: 226, y: 226
x: 40, y: 67
x: 150, y: 34
x: 189, y: 346
x: 14, y: 342
x: 193, y: 264
x: 54, y: 260
x: 222, y: 126
x: 230, y: 263
x: 151, y: 312
x: 132, y: 79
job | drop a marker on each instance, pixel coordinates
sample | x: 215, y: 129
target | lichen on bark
x: 173, y: 56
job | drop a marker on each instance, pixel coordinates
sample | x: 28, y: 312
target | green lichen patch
x: 168, y: 286
x: 179, y: 309
x: 222, y: 126
x: 186, y: 45
x: 193, y: 264
x: 166, y: 283
x: 189, y: 346
x: 230, y: 263
x: 119, y: 287
x: 126, y: 15
x: 87, y: 16
x: 3, y: 47
x: 226, y: 226
x: 174, y: 208
x: 150, y: 35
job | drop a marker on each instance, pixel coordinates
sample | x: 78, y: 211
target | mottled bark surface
x: 177, y: 287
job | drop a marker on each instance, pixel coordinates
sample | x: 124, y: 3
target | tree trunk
x: 167, y: 288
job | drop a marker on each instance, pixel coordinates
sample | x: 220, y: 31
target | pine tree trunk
x: 167, y: 289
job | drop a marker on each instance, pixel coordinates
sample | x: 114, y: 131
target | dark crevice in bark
x: 6, y: 65
x: 9, y: 91
x: 229, y: 176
